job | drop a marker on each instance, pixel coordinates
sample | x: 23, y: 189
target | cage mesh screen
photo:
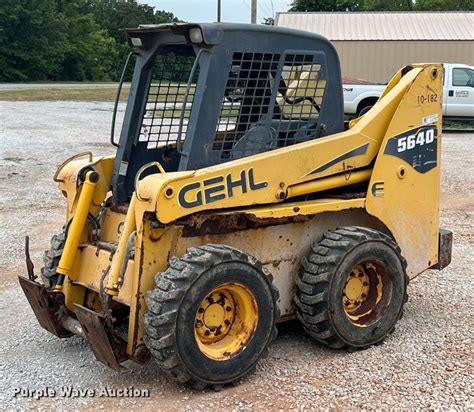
x: 265, y: 106
x: 165, y: 100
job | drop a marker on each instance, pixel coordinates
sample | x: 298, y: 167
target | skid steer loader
x: 236, y: 200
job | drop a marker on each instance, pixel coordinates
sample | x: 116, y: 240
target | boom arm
x: 272, y: 176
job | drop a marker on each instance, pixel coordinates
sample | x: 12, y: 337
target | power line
x: 268, y: 8
x: 263, y: 9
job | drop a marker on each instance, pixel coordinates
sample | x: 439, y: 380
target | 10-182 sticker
x: 417, y: 147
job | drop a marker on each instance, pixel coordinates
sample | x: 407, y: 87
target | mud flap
x: 110, y: 350
x: 45, y: 305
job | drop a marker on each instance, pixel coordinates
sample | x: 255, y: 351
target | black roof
x: 212, y: 32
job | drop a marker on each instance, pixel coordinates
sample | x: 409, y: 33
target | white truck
x: 458, y: 93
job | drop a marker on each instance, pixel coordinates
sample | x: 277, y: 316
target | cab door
x: 460, y: 92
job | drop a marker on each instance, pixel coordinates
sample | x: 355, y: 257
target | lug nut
x: 228, y: 308
x: 366, y: 283
x: 363, y: 295
x: 198, y: 324
x: 227, y: 322
x: 201, y: 310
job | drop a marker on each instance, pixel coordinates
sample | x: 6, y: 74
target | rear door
x: 460, y: 92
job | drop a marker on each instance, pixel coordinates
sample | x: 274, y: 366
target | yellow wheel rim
x: 362, y: 292
x: 225, y: 321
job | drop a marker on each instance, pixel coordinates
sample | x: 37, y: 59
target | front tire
x: 51, y: 259
x: 351, y: 288
x: 211, y: 316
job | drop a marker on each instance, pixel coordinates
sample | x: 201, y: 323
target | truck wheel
x: 211, y: 316
x: 351, y: 288
x: 51, y: 260
x: 364, y: 110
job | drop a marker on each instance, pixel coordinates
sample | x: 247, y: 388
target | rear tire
x: 51, y: 259
x: 351, y: 288
x: 211, y: 316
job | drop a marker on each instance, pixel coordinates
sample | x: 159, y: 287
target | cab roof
x: 213, y: 32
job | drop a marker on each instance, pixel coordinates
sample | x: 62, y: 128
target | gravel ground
x: 426, y: 363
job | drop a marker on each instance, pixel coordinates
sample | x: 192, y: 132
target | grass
x: 101, y: 94
x: 13, y: 159
x: 86, y: 94
x: 458, y: 125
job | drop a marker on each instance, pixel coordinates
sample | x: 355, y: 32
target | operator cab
x: 204, y: 94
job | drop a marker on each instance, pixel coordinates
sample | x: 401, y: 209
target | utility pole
x: 219, y: 9
x: 253, y: 14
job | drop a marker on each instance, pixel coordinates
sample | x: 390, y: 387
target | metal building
x: 374, y: 45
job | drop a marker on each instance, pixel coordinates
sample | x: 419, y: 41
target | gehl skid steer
x: 237, y: 200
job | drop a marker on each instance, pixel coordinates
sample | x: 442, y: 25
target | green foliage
x: 445, y: 5
x: 91, y: 52
x: 115, y: 15
x: 33, y: 40
x: 324, y: 5
x: 68, y: 39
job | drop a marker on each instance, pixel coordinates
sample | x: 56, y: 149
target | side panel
x: 404, y: 188
x: 280, y: 248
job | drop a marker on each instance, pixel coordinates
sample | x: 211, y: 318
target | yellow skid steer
x: 236, y: 200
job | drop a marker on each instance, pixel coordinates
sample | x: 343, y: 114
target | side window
x: 463, y: 77
x: 165, y: 99
x: 270, y: 101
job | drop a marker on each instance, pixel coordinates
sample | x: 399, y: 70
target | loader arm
x: 274, y: 176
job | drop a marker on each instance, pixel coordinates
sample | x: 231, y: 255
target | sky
x: 237, y: 11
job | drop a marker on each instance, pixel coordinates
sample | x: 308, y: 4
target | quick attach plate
x: 45, y: 305
x: 110, y: 350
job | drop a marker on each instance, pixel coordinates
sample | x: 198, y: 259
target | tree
x: 91, y: 53
x: 445, y: 5
x: 33, y: 40
x: 68, y: 39
x: 324, y: 5
x: 115, y: 15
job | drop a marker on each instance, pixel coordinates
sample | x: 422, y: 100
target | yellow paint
x: 340, y: 180
x: 362, y: 293
x: 77, y: 226
x: 410, y: 206
x: 225, y: 321
x: 304, y: 158
x: 113, y: 283
x: 356, y: 291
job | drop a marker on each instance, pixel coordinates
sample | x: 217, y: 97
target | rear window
x: 271, y: 100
